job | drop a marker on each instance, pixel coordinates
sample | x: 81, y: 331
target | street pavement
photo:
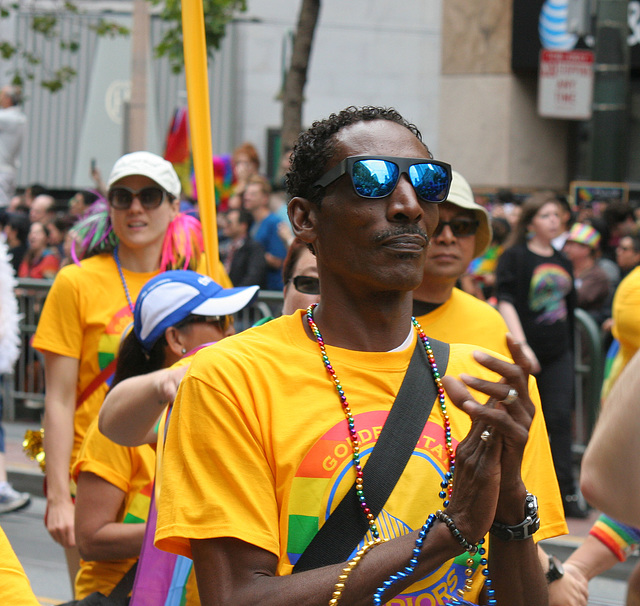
x: 44, y: 561
x: 42, y: 558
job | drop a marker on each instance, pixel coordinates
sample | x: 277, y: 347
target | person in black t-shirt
x: 537, y: 298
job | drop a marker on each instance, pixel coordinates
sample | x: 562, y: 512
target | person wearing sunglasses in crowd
x: 300, y: 277
x: 294, y: 407
x: 444, y: 310
x: 136, y: 398
x: 91, y: 302
x: 450, y: 314
x: 176, y: 314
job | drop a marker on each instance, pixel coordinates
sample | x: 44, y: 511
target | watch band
x: 556, y: 571
x: 525, y: 529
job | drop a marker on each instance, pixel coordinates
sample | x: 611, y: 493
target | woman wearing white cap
x: 90, y: 304
x: 176, y: 314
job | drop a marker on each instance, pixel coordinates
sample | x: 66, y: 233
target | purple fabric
x: 155, y: 569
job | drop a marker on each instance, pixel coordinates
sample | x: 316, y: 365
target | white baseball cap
x: 172, y: 296
x: 149, y: 165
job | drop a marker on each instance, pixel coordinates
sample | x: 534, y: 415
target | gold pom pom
x: 33, y: 446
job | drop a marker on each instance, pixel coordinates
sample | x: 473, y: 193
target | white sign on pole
x: 565, y: 84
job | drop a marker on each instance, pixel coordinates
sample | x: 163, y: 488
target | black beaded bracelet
x: 443, y: 517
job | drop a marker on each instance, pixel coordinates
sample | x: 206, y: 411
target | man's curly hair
x: 315, y: 147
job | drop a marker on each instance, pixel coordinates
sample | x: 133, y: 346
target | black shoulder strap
x: 346, y: 526
x: 121, y: 591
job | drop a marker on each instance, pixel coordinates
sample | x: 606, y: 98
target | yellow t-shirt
x: 84, y: 317
x: 132, y: 471
x: 626, y: 325
x: 465, y: 319
x: 15, y: 588
x: 258, y: 448
x: 161, y: 430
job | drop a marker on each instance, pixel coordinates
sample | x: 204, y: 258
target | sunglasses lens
x: 151, y: 197
x: 374, y: 178
x: 307, y: 285
x: 430, y: 181
x: 463, y: 227
x: 459, y: 227
x: 120, y: 198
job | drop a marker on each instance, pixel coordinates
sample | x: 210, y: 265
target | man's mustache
x: 401, y: 231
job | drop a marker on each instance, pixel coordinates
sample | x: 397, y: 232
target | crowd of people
x: 386, y: 260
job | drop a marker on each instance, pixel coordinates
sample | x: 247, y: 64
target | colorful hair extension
x: 181, y: 248
x: 93, y: 233
x: 183, y: 244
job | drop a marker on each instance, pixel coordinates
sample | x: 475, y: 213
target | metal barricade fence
x: 25, y: 388
x: 27, y: 383
x: 589, y: 369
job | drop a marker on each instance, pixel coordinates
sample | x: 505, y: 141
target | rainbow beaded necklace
x: 124, y: 282
x: 446, y: 484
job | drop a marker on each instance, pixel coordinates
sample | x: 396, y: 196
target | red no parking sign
x: 565, y: 84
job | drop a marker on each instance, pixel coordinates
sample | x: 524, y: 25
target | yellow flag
x: 195, y: 66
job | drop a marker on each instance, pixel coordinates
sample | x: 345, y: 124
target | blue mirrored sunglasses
x: 377, y: 176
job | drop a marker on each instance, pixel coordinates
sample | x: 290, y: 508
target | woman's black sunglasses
x: 220, y: 322
x: 307, y: 285
x: 121, y: 198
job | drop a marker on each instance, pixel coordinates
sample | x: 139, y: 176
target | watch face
x: 556, y: 571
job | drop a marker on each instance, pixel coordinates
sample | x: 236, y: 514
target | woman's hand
x: 59, y: 520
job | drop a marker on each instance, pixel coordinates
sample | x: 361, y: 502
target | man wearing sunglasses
x: 269, y: 426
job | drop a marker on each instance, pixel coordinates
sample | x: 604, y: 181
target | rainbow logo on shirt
x: 138, y: 510
x: 326, y: 474
x: 109, y: 342
x: 549, y: 286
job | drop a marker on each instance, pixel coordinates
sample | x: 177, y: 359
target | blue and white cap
x: 171, y: 296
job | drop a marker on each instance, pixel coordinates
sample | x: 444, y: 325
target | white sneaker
x: 12, y: 500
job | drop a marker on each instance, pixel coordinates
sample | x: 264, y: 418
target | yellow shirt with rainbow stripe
x: 131, y: 469
x: 258, y: 448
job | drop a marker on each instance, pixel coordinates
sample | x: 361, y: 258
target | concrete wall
x: 489, y: 126
x: 374, y: 52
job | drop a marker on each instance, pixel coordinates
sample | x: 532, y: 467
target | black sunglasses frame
x: 403, y: 164
x: 220, y: 322
x: 298, y: 279
x: 472, y: 223
x: 135, y: 193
